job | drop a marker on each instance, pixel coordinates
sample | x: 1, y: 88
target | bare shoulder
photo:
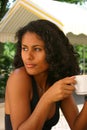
x: 19, y: 81
x: 18, y: 91
x: 19, y: 73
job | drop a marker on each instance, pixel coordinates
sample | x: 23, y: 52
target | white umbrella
x: 73, y: 17
x: 70, y: 18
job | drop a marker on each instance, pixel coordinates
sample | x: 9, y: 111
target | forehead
x: 30, y: 37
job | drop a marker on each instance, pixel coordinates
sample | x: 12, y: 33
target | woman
x: 43, y: 80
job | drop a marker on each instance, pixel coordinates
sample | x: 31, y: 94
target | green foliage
x: 4, y: 7
x: 82, y: 50
x: 72, y: 1
x: 6, y: 59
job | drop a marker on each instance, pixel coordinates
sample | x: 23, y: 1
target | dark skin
x: 19, y: 94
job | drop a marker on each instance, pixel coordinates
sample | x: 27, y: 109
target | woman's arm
x: 20, y: 93
x: 81, y: 120
x: 18, y: 97
x: 56, y: 92
x: 70, y: 110
x: 76, y: 120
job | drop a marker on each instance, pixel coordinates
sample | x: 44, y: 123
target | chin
x: 31, y: 72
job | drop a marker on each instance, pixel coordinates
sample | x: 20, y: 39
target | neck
x: 41, y: 80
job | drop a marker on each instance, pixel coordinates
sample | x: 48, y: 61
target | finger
x: 66, y: 94
x: 69, y: 80
x: 69, y: 87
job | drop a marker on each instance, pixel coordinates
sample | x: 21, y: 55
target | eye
x: 37, y: 49
x: 24, y: 48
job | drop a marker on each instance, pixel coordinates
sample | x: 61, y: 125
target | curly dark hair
x: 60, y: 54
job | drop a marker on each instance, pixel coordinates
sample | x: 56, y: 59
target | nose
x: 29, y: 55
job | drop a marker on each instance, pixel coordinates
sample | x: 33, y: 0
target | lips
x: 30, y: 65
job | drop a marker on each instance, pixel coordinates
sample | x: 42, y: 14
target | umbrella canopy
x: 69, y: 17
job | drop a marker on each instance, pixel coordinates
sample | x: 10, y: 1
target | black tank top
x: 48, y: 124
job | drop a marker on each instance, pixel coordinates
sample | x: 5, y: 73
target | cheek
x: 41, y: 59
x: 44, y: 67
x: 44, y: 63
x: 22, y: 56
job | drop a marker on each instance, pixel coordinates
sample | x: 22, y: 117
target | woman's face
x: 33, y: 54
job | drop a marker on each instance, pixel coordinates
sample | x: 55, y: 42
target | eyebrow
x: 33, y: 45
x: 23, y: 45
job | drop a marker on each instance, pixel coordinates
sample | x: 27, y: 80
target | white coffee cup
x: 81, y: 84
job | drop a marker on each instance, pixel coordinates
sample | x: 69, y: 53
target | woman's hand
x: 61, y: 89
